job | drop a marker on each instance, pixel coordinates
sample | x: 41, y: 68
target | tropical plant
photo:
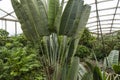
x: 116, y: 69
x: 19, y: 60
x: 110, y: 43
x: 112, y: 59
x: 3, y: 36
x: 111, y: 65
x: 56, y: 31
x: 82, y: 51
x: 85, y: 46
x: 3, y: 33
x: 87, y: 39
x: 16, y: 41
x: 94, y: 72
x: 19, y: 63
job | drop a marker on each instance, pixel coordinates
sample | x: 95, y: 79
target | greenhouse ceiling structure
x: 104, y: 17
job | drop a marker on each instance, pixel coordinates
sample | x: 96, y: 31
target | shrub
x: 82, y: 51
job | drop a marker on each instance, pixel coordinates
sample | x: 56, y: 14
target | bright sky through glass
x: 6, y: 6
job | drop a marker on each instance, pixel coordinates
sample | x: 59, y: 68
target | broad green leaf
x: 112, y: 59
x: 80, y: 7
x: 33, y: 17
x: 74, y: 69
x: 71, y: 50
x: 52, y: 12
x: 23, y: 18
x: 39, y: 15
x: 58, y: 20
x: 68, y: 17
x: 83, y: 20
x: 97, y: 75
x: 63, y: 49
x: 87, y: 76
x: 45, y: 2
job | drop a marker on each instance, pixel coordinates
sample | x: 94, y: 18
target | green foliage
x: 82, y: 51
x: 44, y: 22
x: 98, y: 50
x: 19, y: 60
x: 102, y: 49
x: 111, y: 42
x: 16, y: 41
x: 3, y: 33
x: 112, y: 61
x: 116, y: 68
x: 117, y: 41
x: 56, y: 55
x: 3, y: 36
x: 97, y: 74
x: 112, y: 58
x: 50, y: 12
x: 87, y: 39
x: 82, y: 72
x: 85, y: 44
x: 93, y: 72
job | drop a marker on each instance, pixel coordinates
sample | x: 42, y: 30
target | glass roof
x: 104, y: 17
x: 8, y: 19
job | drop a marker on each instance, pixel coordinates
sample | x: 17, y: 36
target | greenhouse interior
x: 59, y: 39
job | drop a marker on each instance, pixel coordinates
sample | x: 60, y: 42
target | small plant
x: 116, y: 68
x: 87, y: 39
x: 112, y: 59
x: 19, y: 60
x: 3, y: 37
x: 82, y: 51
x: 21, y: 63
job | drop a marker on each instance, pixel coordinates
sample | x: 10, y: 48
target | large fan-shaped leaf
x: 112, y: 59
x: 32, y: 16
x: 39, y: 15
x: 52, y: 12
x: 83, y: 20
x: 97, y: 75
x: 68, y: 17
x: 74, y: 69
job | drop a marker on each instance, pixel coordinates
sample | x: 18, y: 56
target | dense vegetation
x: 55, y: 31
x: 56, y: 45
x: 18, y: 58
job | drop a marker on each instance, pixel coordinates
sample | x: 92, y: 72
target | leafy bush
x: 3, y: 36
x: 87, y: 39
x: 85, y: 44
x: 116, y: 68
x: 98, y: 50
x: 111, y: 59
x: 19, y: 60
x: 3, y: 33
x: 22, y: 63
x: 82, y: 51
